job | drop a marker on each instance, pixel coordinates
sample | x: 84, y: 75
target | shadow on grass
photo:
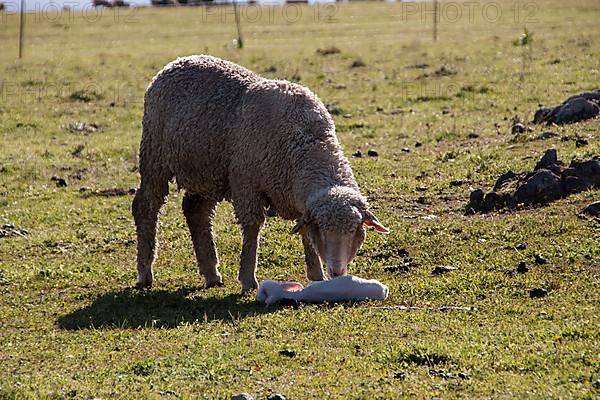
x: 131, y: 308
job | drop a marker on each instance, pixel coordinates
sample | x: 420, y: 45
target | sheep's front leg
x: 249, y: 211
x: 314, y: 267
x: 247, y: 273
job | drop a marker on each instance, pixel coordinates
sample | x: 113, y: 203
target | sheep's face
x: 336, y: 248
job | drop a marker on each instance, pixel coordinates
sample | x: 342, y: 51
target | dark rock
x: 596, y: 385
x: 402, y: 267
x: 418, y: 144
x: 472, y: 136
x: 540, y: 259
x: 399, y: 375
x: 587, y: 169
x: 476, y: 199
x: 402, y: 252
x: 442, y: 269
x: 495, y: 201
x: 287, y: 353
x: 537, y: 293
x: 372, y: 153
x: 542, y: 114
x: 358, y: 63
x: 541, y: 187
x: 406, y: 149
x: 242, y: 396
x: 592, y: 210
x: 520, y: 246
x: 580, y: 142
x: 547, y: 135
x: 60, y: 182
x: 574, y: 184
x: 421, y: 188
x: 522, y: 267
x: 549, y: 161
x: 505, y: 178
x: 575, y: 110
x: 358, y: 154
x: 517, y: 128
x: 456, y: 182
x: 276, y: 396
x: 448, y: 375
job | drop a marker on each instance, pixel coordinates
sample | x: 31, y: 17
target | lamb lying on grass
x: 224, y: 132
x: 343, y: 288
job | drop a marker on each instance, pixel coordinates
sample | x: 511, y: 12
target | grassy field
x: 72, y: 327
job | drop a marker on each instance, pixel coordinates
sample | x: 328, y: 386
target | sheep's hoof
x: 143, y: 285
x: 247, y: 292
x: 209, y: 285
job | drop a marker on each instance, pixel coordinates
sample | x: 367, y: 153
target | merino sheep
x: 224, y: 132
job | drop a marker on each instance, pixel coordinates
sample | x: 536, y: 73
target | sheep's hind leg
x: 314, y: 267
x: 146, y: 206
x: 199, y: 214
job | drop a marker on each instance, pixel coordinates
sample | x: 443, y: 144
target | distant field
x: 71, y: 327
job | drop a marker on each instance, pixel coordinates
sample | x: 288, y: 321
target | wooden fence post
x: 21, y: 28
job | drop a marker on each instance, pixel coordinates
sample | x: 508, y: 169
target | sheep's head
x: 334, y: 224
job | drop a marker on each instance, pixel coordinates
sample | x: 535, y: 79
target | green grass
x: 71, y: 327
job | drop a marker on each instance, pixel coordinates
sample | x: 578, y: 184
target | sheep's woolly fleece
x: 262, y: 141
x: 344, y: 288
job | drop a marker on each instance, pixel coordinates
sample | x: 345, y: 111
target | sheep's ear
x: 370, y: 220
x: 300, y: 226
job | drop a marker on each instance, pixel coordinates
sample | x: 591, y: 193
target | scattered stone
x: 596, y: 385
x: 78, y: 176
x: 242, y: 396
x: 76, y: 152
x: 81, y: 127
x: 328, y: 51
x: 522, y: 267
x: 347, y: 116
x: 421, y: 188
x: 287, y: 353
x: 520, y: 246
x: 576, y: 108
x: 334, y: 109
x: 580, y: 142
x: 417, y: 144
x: 540, y: 259
x: 113, y: 192
x: 547, y: 135
x: 402, y: 267
x: 399, y: 375
x: 472, y: 136
x: 592, y: 210
x: 9, y: 230
x: 517, y: 128
x: 405, y: 150
x: 358, y: 63
x: 60, y: 182
x: 537, y: 293
x: 276, y: 396
x: 372, y: 153
x: 442, y: 269
x: 456, y: 182
x: 447, y: 375
x: 358, y: 154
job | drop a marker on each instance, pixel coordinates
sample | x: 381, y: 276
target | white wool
x: 344, y: 288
